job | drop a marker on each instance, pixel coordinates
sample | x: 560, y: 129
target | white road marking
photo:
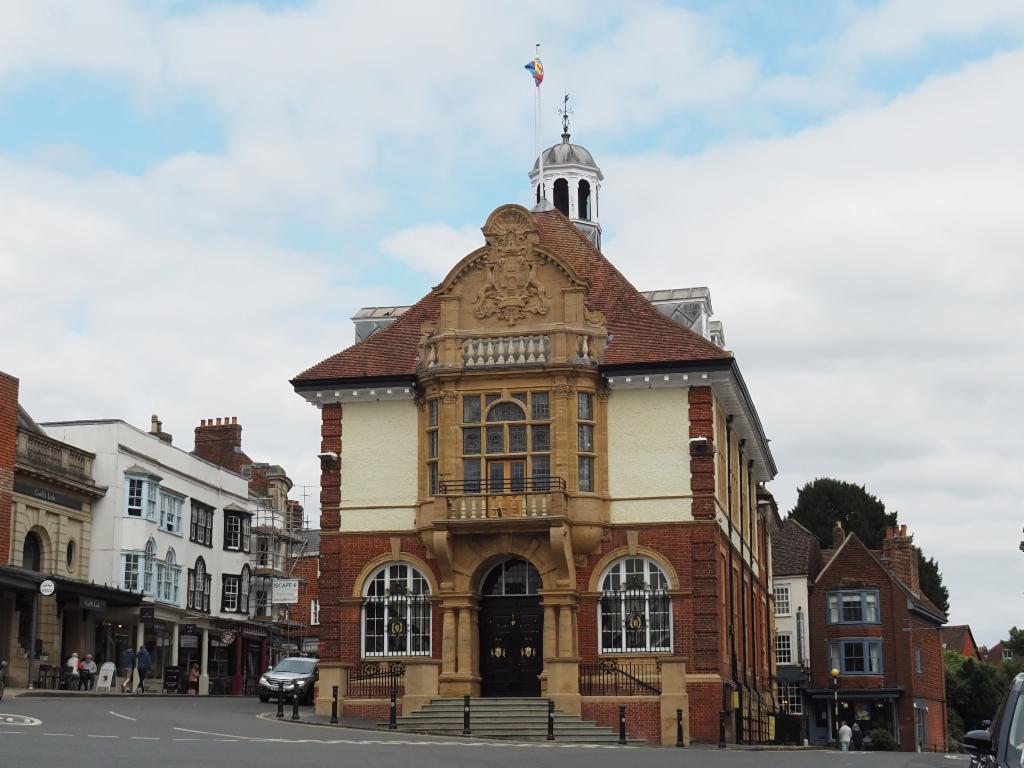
x: 177, y: 739
x: 58, y: 734
x: 145, y: 738
x: 13, y: 733
x: 123, y: 717
x: 99, y: 736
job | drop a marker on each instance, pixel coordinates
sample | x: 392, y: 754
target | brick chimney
x: 838, y: 535
x: 220, y: 442
x: 156, y: 428
x: 899, y: 556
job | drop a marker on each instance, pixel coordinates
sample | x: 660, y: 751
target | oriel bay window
x: 635, y: 612
x: 201, y: 528
x: 506, y: 444
x: 396, y: 612
x: 585, y: 445
x: 237, y: 527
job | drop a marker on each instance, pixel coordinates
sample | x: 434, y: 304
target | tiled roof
x: 640, y: 333
x: 795, y: 551
x: 955, y: 637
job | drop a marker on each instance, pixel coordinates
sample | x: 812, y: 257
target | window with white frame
x: 792, y: 698
x: 140, y: 497
x: 237, y: 531
x: 853, y: 607
x: 230, y: 592
x: 149, y: 566
x: 170, y: 512
x: 861, y: 656
x: 314, y: 612
x: 781, y: 593
x: 635, y: 612
x: 199, y: 587
x: 396, y: 612
x: 201, y: 527
x: 168, y: 578
x: 130, y: 567
x: 1007, y: 654
x: 783, y: 648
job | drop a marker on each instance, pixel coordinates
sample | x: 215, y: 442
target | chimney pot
x: 218, y: 421
x: 234, y: 419
x: 888, y: 531
x: 903, y: 530
x: 154, y: 425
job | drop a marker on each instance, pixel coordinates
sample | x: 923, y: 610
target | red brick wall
x: 330, y: 586
x: 643, y: 715
x: 8, y: 441
x: 374, y: 710
x: 309, y: 588
x: 705, y: 700
x: 702, y: 462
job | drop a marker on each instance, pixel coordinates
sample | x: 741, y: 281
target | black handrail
x: 508, y: 485
x: 610, y: 678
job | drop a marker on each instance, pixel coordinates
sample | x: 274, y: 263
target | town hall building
x: 539, y: 482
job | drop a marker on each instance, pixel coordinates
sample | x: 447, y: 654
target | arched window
x: 32, y: 552
x: 515, y: 444
x: 199, y: 587
x: 511, y: 577
x: 561, y: 195
x: 396, y: 613
x: 635, y: 609
x: 583, y: 208
x: 167, y: 578
x: 149, y: 566
x: 244, y: 602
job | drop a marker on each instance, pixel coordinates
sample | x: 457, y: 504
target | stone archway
x: 511, y: 629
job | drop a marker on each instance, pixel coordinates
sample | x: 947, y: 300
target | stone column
x: 550, y: 631
x: 564, y: 631
x: 673, y: 697
x: 204, y: 663
x: 448, y: 639
x: 175, y: 629
x: 465, y: 652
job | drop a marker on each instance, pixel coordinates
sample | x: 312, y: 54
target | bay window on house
x: 237, y: 527
x: 853, y: 607
x: 234, y: 594
x: 170, y: 511
x: 201, y: 527
x: 433, y: 447
x: 199, y: 587
x: 635, y: 612
x: 859, y: 656
x: 130, y: 566
x: 140, y: 496
x: 506, y: 444
x: 585, y: 443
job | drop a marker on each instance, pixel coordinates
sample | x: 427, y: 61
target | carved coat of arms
x: 512, y: 288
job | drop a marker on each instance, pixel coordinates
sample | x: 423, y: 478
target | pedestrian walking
x: 193, y: 680
x: 72, y: 672
x: 127, y: 667
x: 86, y: 673
x: 845, y: 734
x: 142, y: 665
x: 858, y: 738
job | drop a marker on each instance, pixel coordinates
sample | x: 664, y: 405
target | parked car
x: 1000, y: 744
x: 298, y: 674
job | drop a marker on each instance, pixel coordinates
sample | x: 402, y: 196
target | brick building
x: 307, y: 610
x: 883, y: 637
x: 959, y: 638
x: 536, y: 482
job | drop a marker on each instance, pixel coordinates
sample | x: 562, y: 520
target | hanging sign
x: 47, y: 587
x: 227, y: 637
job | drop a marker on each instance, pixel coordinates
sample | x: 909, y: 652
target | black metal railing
x: 397, y: 624
x: 375, y: 681
x: 508, y: 485
x: 610, y: 677
x: 636, y: 619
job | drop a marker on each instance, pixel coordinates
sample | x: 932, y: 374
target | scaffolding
x: 279, y: 543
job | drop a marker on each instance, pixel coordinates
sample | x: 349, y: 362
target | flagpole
x: 538, y: 135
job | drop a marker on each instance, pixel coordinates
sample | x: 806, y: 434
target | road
x: 86, y: 732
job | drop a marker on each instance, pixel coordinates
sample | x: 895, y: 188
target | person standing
x: 142, y: 664
x: 86, y: 673
x: 858, y: 738
x: 72, y: 671
x: 193, y: 680
x: 127, y: 667
x: 845, y: 734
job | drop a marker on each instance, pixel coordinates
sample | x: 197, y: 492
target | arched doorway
x: 32, y: 552
x: 511, y: 630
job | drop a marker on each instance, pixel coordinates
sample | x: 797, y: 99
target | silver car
x: 297, y: 675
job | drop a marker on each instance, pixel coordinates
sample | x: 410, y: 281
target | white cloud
x: 432, y: 248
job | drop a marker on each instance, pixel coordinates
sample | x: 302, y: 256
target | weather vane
x: 564, y: 111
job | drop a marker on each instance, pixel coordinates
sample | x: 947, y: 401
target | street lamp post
x: 835, y: 699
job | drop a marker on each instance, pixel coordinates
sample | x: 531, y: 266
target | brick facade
x: 906, y: 623
x: 8, y: 442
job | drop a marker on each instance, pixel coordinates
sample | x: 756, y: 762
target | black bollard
x: 622, y: 724
x: 721, y: 730
x: 465, y: 716
x: 551, y: 720
x: 280, y: 699
x: 679, y: 728
x: 334, y: 705
x: 295, y: 703
x: 393, y: 714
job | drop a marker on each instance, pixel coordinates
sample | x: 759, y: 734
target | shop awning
x: 96, y: 597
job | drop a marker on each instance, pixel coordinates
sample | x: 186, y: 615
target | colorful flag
x: 537, y: 70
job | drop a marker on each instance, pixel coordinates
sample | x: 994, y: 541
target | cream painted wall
x: 649, y: 455
x: 378, y: 466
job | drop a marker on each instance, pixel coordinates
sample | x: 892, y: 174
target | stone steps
x: 521, y: 719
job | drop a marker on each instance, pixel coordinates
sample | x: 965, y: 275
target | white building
x: 796, y: 559
x: 177, y: 529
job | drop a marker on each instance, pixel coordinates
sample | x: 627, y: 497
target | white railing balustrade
x: 506, y: 351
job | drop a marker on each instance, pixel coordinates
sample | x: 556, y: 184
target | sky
x: 197, y: 196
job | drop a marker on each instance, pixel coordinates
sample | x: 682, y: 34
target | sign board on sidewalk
x: 106, y: 679
x: 285, y: 591
x: 172, y: 677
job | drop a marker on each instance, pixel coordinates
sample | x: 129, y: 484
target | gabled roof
x: 795, y: 551
x: 955, y: 637
x: 919, y: 601
x: 640, y: 334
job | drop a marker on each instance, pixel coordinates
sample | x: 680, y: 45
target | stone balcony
x: 49, y: 456
x: 516, y: 504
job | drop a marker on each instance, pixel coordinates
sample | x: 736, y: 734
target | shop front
x: 868, y: 709
x: 238, y: 654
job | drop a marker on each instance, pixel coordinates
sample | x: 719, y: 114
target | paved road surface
x: 84, y: 732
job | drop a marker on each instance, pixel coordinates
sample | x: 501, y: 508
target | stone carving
x: 512, y: 289
x: 449, y: 396
x: 562, y: 390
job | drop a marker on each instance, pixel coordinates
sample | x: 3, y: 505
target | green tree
x: 825, y: 501
x: 974, y: 689
x: 1016, y: 641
